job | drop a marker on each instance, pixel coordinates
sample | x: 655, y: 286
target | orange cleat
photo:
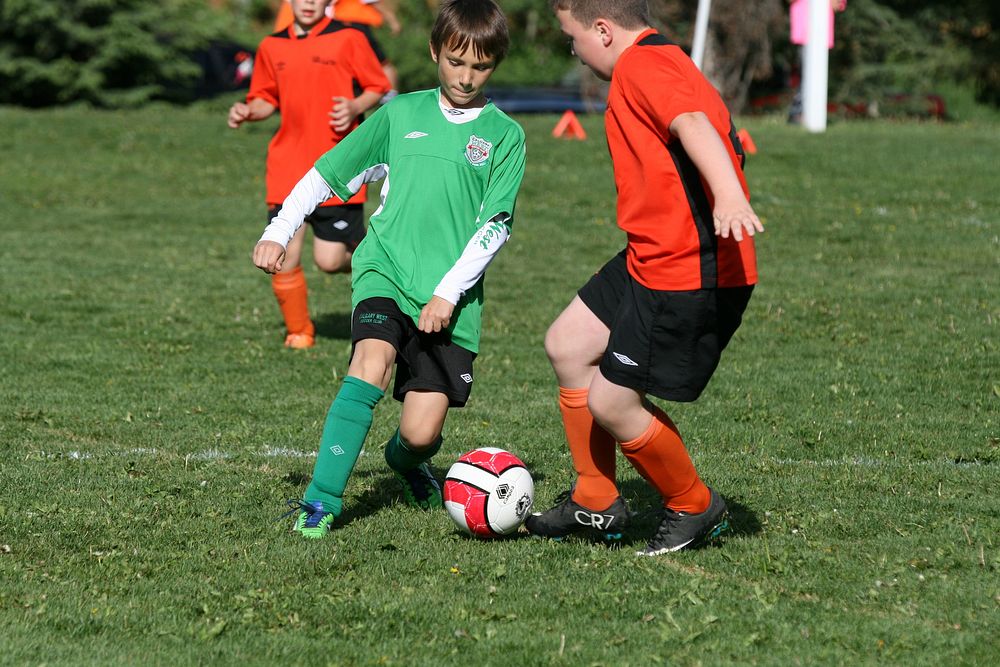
x: 299, y: 341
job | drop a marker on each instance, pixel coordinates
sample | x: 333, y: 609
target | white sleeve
x: 307, y: 194
x: 476, y: 257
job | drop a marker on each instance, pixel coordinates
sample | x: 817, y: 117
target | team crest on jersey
x: 478, y: 151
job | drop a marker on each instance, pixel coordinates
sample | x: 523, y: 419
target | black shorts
x: 424, y: 362
x: 340, y: 224
x: 664, y: 343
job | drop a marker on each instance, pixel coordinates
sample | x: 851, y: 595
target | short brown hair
x: 629, y: 14
x: 480, y: 23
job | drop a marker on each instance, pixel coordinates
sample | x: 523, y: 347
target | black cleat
x: 679, y: 530
x: 568, y: 517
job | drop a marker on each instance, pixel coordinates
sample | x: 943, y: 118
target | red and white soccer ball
x: 488, y: 492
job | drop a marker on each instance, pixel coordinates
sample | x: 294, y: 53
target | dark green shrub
x: 110, y: 53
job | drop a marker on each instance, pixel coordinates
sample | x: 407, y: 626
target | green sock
x: 344, y: 433
x: 401, y: 458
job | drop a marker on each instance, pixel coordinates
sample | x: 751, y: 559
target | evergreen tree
x: 110, y: 53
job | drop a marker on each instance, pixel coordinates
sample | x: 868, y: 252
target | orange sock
x: 592, y: 449
x: 660, y: 456
x: 293, y: 298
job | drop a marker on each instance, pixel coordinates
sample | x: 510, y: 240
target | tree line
x: 121, y: 53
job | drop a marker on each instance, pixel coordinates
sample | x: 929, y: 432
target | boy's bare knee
x: 598, y: 407
x: 420, y: 437
x: 557, y: 347
x: 340, y: 264
x: 374, y: 366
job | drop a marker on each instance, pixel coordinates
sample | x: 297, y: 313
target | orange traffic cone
x: 569, y: 127
x: 748, y: 145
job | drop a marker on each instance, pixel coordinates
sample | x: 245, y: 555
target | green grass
x: 151, y: 424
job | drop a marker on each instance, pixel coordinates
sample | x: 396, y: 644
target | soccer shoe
x: 312, y: 521
x: 420, y: 489
x: 679, y: 530
x: 299, y: 341
x: 568, y: 517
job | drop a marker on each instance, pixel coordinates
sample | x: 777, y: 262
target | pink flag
x: 799, y: 17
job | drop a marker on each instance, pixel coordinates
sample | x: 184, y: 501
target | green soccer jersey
x: 444, y: 180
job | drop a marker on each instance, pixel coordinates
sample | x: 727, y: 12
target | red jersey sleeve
x: 367, y: 69
x: 263, y: 83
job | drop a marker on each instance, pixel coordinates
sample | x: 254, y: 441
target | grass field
x: 151, y: 424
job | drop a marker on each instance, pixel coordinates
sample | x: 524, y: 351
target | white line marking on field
x: 285, y: 452
x: 278, y: 452
x: 212, y: 454
x: 866, y: 462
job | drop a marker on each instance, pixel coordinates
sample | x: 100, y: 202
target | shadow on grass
x: 334, y: 325
x: 645, y: 505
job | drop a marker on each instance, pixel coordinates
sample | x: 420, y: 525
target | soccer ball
x: 488, y: 492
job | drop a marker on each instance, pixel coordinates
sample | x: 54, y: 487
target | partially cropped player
x: 307, y: 72
x: 655, y: 319
x: 366, y: 16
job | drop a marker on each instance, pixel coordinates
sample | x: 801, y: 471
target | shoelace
x: 296, y: 505
x: 670, y: 517
x: 563, y: 497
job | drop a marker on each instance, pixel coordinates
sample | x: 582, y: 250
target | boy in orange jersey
x: 365, y: 15
x: 309, y: 73
x: 655, y: 319
x: 368, y: 15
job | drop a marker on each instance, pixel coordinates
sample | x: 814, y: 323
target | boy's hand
x: 238, y: 113
x: 735, y: 217
x: 268, y: 256
x: 345, y: 110
x: 436, y: 315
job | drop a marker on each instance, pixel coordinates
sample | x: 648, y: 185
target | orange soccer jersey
x: 664, y: 206
x: 301, y: 76
x: 357, y: 11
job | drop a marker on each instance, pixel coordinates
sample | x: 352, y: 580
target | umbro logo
x: 625, y: 360
x: 337, y: 450
x: 454, y: 112
x: 467, y: 378
x: 415, y: 135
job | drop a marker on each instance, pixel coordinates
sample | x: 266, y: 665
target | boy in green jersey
x: 452, y: 164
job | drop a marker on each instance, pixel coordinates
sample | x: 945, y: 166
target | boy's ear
x: 434, y: 55
x: 605, y: 29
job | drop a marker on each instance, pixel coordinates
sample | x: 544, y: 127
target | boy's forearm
x: 368, y: 99
x: 307, y: 194
x: 390, y: 18
x: 260, y: 109
x: 475, y: 259
x: 705, y: 148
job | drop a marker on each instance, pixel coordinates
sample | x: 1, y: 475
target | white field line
x: 212, y: 454
x: 277, y: 452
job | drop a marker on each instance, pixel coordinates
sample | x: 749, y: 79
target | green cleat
x: 312, y: 522
x: 420, y: 489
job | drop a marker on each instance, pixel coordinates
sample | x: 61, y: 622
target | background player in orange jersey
x: 365, y: 15
x: 655, y: 319
x: 309, y: 72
